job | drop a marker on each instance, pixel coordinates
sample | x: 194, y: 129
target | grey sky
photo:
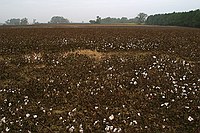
x: 84, y: 10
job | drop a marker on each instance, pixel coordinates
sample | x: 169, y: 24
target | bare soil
x: 99, y: 79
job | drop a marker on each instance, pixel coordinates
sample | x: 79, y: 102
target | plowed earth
x: 100, y: 79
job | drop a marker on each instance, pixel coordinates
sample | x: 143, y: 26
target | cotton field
x: 100, y: 79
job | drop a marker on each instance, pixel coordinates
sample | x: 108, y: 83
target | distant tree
x: 134, y: 20
x: 34, y: 21
x: 13, y: 21
x: 124, y: 20
x: 59, y: 20
x: 24, y: 21
x: 92, y: 21
x: 141, y: 17
x: 7, y: 22
x: 98, y: 20
x: 110, y: 20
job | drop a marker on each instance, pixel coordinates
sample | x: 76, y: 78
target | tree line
x: 24, y: 21
x: 141, y: 17
x: 17, y: 21
x: 188, y: 19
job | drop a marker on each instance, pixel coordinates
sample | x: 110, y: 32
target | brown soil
x: 100, y: 79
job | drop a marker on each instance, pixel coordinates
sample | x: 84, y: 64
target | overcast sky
x: 84, y: 10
